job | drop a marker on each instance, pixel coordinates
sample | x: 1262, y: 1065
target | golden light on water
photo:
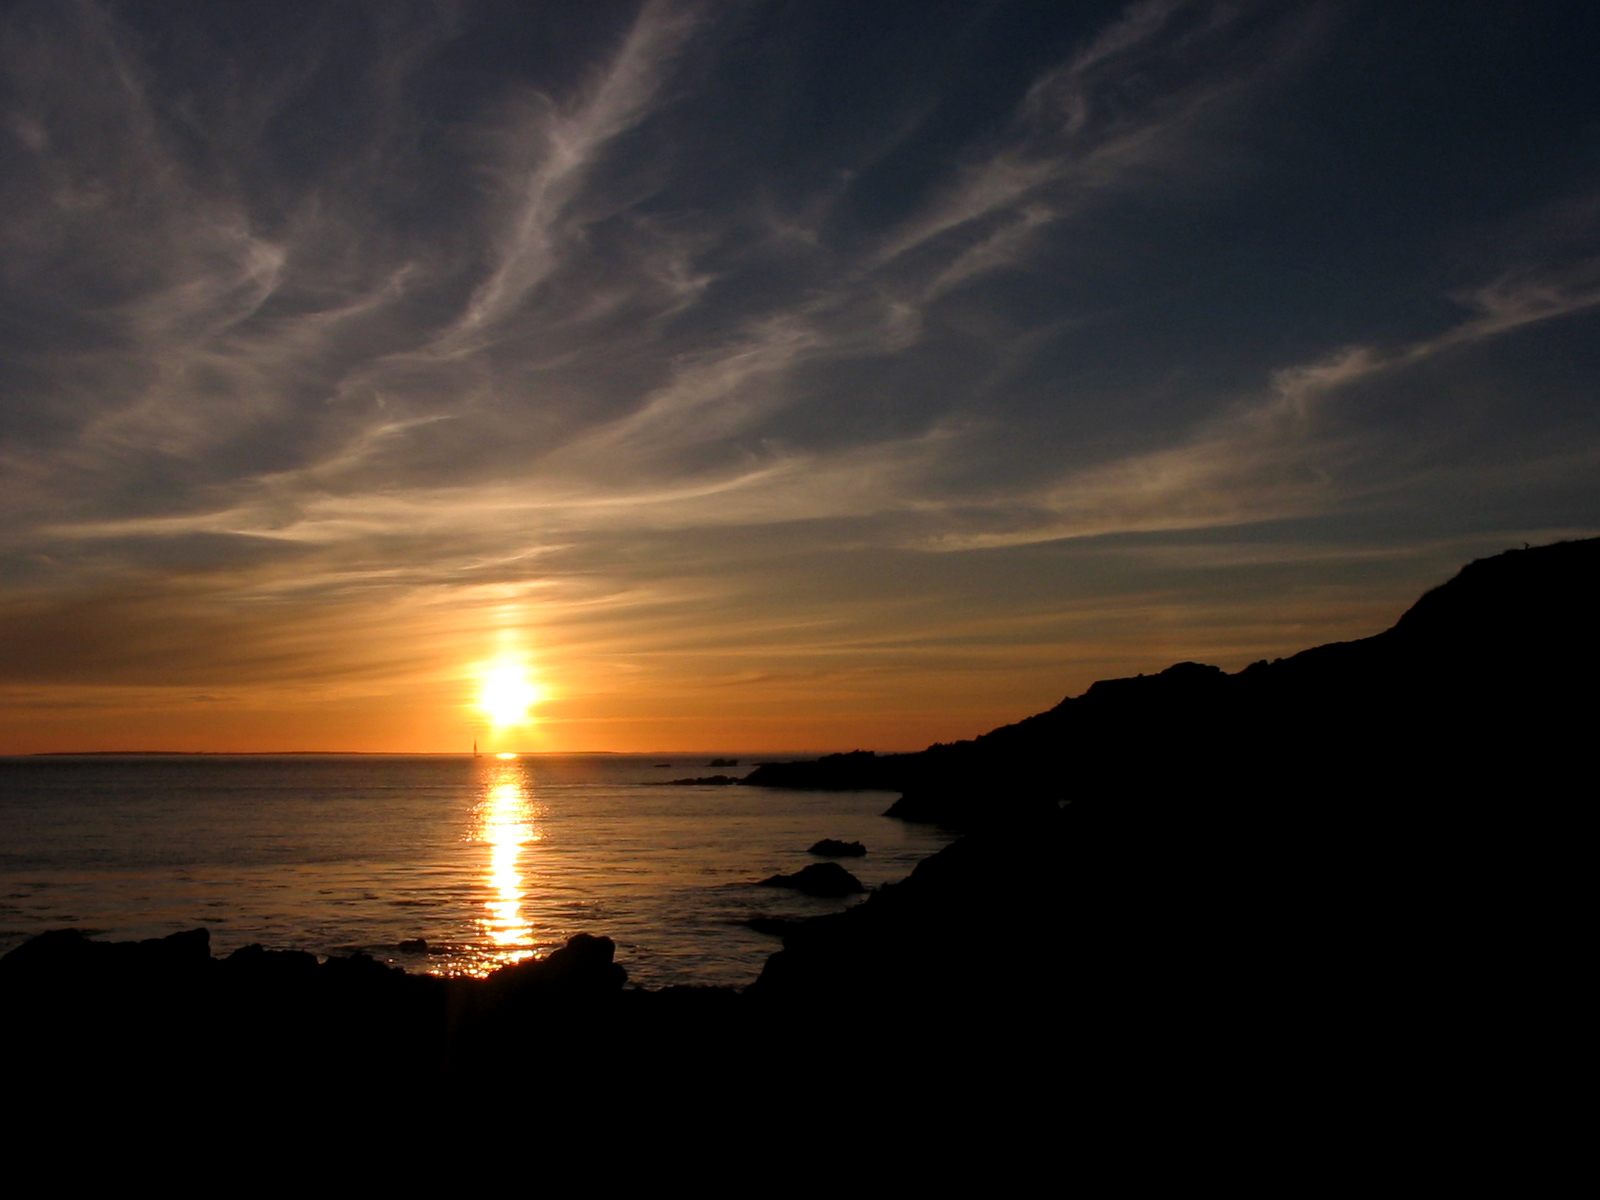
x: 505, y: 825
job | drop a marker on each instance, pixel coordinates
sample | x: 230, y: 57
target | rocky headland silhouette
x: 1356, y: 867
x: 1473, y: 680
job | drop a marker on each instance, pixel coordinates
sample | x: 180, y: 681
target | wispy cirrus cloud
x: 245, y: 333
x: 548, y: 150
x: 403, y: 308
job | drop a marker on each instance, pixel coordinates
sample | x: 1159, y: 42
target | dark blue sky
x: 764, y: 374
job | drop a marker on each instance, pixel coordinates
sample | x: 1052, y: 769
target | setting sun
x: 507, y: 694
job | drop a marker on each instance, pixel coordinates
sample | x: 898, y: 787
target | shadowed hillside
x: 1479, y: 679
x: 1352, y: 870
x: 1350, y: 877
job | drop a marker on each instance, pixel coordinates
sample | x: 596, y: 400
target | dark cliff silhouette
x: 1357, y: 867
x: 1479, y: 679
x: 1345, y: 882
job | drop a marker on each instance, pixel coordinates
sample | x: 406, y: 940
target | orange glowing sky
x: 762, y: 377
x: 666, y: 671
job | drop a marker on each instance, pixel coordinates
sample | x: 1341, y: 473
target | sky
x: 748, y: 375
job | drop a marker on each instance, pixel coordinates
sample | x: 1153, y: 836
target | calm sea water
x: 488, y: 860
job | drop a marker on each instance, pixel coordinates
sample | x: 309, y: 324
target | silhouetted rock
x: 1343, y: 866
x: 859, y: 770
x: 723, y: 762
x: 706, y: 781
x: 973, y: 925
x: 1351, y: 871
x: 256, y: 961
x: 69, y: 953
x: 357, y: 966
x: 583, y: 967
x: 834, y: 848
x: 414, y: 946
x: 775, y: 926
x: 1490, y: 658
x: 818, y: 879
x: 937, y: 808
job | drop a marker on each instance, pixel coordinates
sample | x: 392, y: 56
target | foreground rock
x: 818, y: 879
x: 972, y: 927
x: 773, y: 926
x: 76, y: 1007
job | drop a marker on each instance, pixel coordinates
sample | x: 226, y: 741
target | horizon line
x: 409, y: 753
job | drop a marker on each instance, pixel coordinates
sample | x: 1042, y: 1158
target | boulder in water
x: 819, y: 879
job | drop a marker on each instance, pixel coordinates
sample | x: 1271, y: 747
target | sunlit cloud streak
x: 1283, y: 457
x: 563, y: 146
x: 396, y: 315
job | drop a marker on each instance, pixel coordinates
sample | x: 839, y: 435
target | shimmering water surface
x: 489, y: 860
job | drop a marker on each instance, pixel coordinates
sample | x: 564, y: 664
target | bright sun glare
x: 507, y: 695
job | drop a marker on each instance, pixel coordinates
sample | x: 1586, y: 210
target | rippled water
x: 488, y: 860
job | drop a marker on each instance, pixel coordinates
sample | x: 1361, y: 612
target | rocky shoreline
x: 1301, y: 869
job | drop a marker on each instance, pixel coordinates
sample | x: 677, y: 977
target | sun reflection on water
x: 503, y: 820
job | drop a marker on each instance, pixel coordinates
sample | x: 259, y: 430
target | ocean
x: 486, y: 860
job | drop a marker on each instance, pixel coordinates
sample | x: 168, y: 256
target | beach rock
x: 774, y: 926
x: 257, y: 963
x: 834, y: 848
x: 189, y: 947
x: 931, y: 808
x: 59, y: 953
x: 819, y: 879
x: 59, y: 957
x: 414, y: 946
x: 583, y: 967
x: 357, y: 967
x: 858, y: 770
